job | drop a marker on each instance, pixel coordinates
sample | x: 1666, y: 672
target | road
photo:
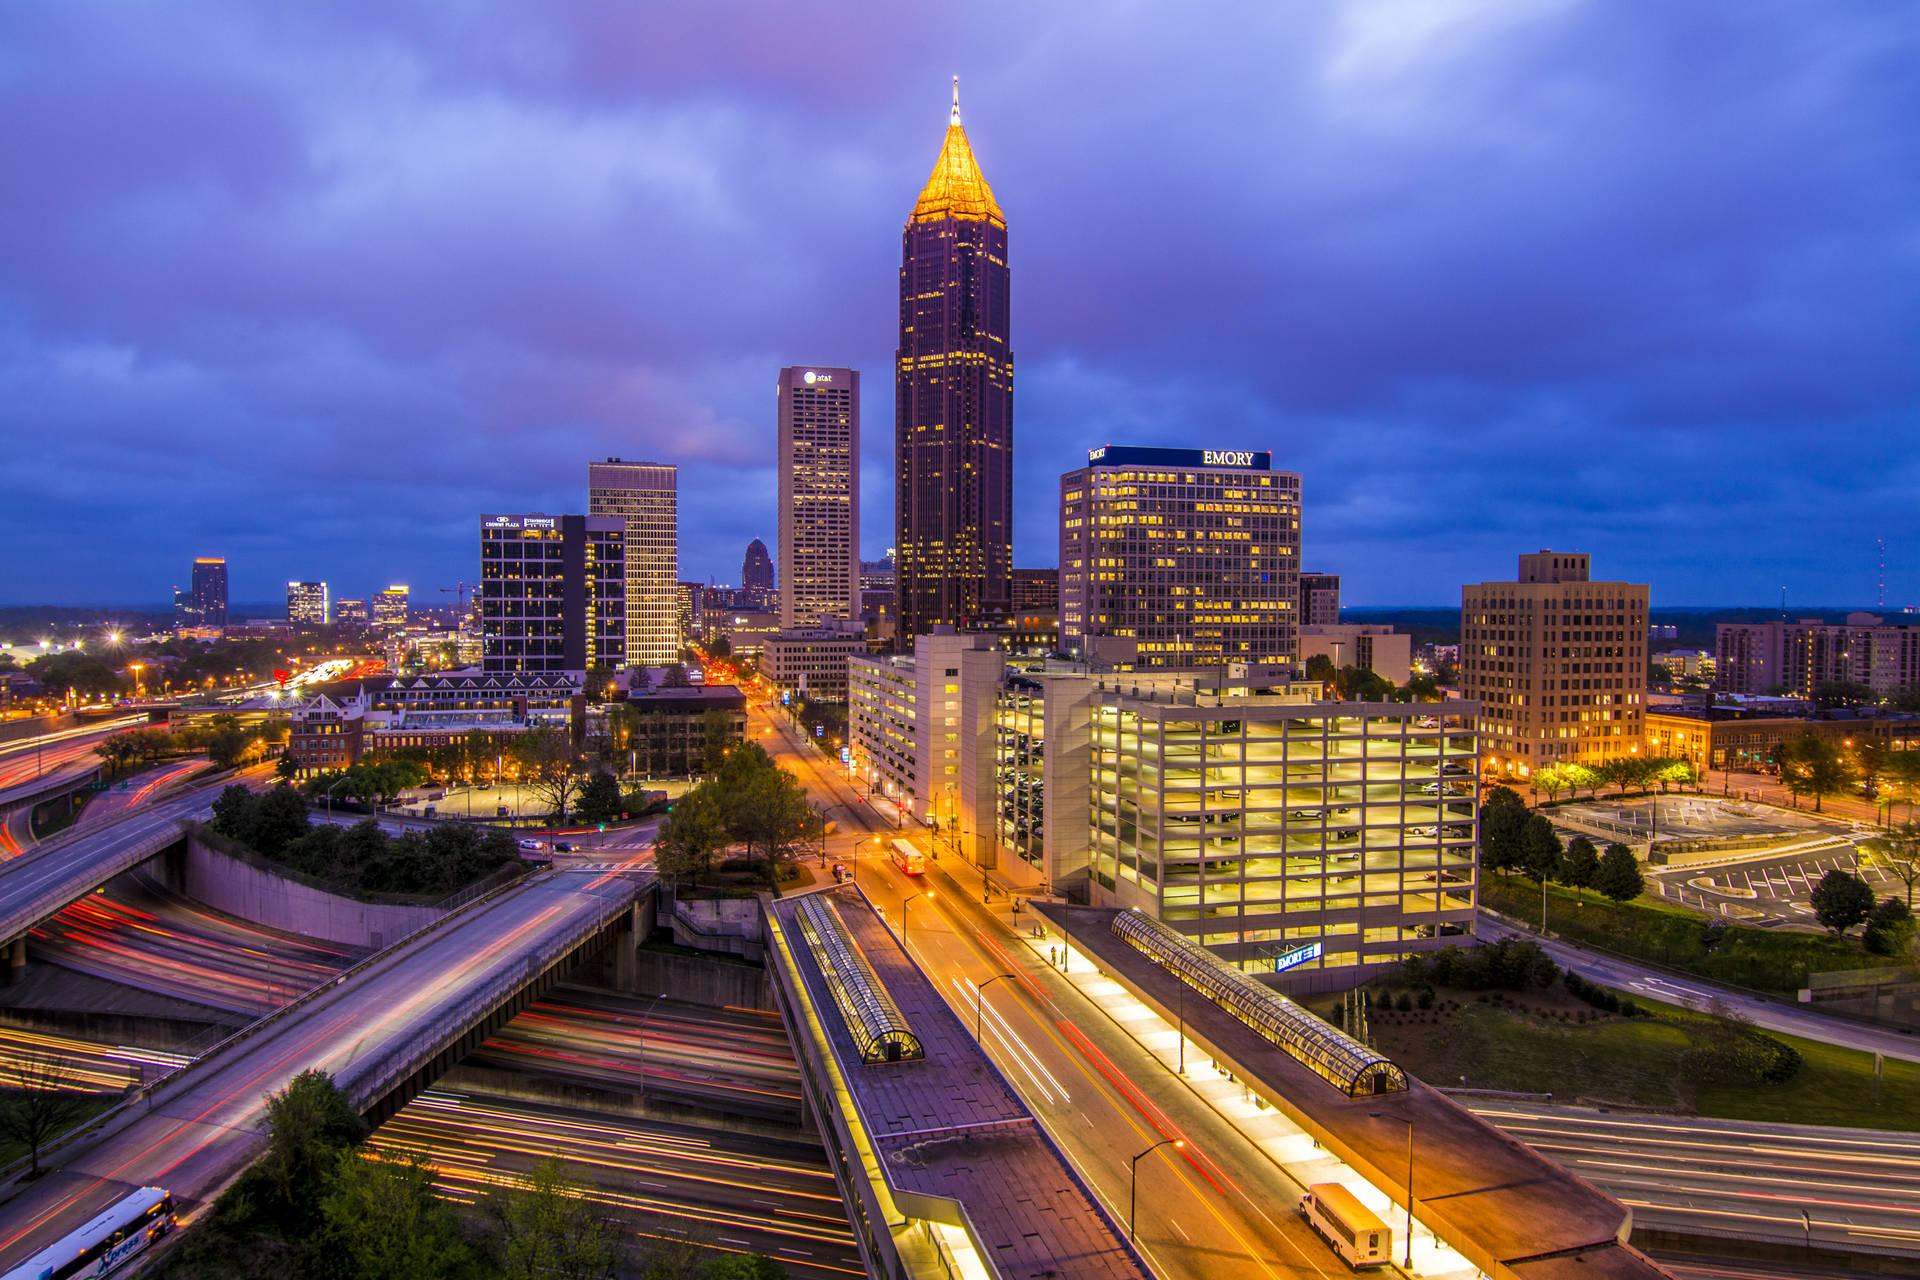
x: 1625, y: 975
x: 1218, y: 1208
x: 736, y: 1192
x: 27, y: 760
x: 207, y: 1129
x: 1859, y: 1187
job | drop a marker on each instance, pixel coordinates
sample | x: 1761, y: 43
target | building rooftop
x: 950, y: 1126
x: 957, y: 188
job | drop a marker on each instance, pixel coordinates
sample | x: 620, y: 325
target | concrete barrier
x: 259, y: 896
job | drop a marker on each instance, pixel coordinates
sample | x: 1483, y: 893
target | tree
x: 721, y: 647
x: 380, y: 1220
x: 1659, y: 673
x: 309, y: 1124
x: 1620, y: 877
x: 279, y: 817
x: 1541, y: 849
x: 1678, y: 772
x: 1320, y: 667
x: 1842, y: 693
x: 718, y: 733
x: 766, y: 807
x: 1898, y: 851
x: 1579, y: 776
x: 549, y: 767
x: 544, y: 1228
x: 40, y: 1099
x: 1550, y: 780
x: 1889, y: 927
x: 1813, y: 766
x: 1903, y: 772
x: 695, y: 829
x: 288, y: 767
x: 1420, y: 688
x: 600, y: 799
x: 1841, y: 900
x: 1581, y: 867
x: 1503, y: 821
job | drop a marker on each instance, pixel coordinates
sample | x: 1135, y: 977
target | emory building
x: 1179, y: 558
x: 1558, y: 663
x: 819, y: 495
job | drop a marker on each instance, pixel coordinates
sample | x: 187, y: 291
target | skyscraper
x: 204, y: 604
x: 307, y: 604
x: 953, y: 399
x: 819, y: 495
x: 552, y: 593
x: 1180, y: 558
x: 756, y: 573
x: 391, y: 607
x: 647, y: 496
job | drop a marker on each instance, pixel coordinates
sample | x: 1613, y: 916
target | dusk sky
x: 311, y: 286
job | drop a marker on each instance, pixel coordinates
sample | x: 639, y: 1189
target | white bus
x: 1355, y: 1233
x: 106, y: 1243
x: 909, y: 859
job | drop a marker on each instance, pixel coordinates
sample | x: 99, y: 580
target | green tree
x: 544, y: 1228
x: 1580, y: 776
x: 288, y: 767
x: 718, y: 733
x: 1620, y: 877
x: 1320, y: 667
x: 549, y: 767
x: 766, y: 807
x: 1902, y: 771
x: 1843, y: 693
x: 279, y: 817
x: 1550, y: 780
x: 1889, y: 927
x: 233, y: 814
x: 1540, y: 849
x: 600, y: 799
x: 721, y: 647
x: 1581, y: 867
x: 695, y: 829
x: 1813, y: 766
x: 41, y: 1097
x: 309, y: 1124
x: 1503, y: 821
x: 380, y: 1220
x: 1841, y: 900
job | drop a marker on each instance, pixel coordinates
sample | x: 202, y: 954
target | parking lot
x: 1689, y: 817
x: 1771, y: 889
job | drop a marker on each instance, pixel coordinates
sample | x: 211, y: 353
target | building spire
x: 955, y: 117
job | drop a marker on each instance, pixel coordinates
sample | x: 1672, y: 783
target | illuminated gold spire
x: 956, y: 188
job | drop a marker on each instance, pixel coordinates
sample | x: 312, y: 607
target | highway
x: 83, y: 1063
x: 1625, y: 975
x: 204, y: 1128
x: 28, y: 760
x: 1859, y: 1188
x: 1219, y: 1207
x: 732, y: 1191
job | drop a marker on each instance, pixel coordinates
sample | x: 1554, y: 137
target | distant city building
x: 1694, y: 663
x: 1662, y: 631
x: 687, y: 598
x: 1179, y: 558
x: 1104, y: 789
x: 553, y: 593
x: 307, y: 604
x: 1558, y: 663
x: 812, y: 660
x: 819, y: 494
x: 647, y: 496
x: 204, y: 603
x: 1036, y: 590
x: 877, y: 575
x: 756, y: 576
x: 1796, y: 657
x: 1379, y: 649
x: 953, y: 400
x: 391, y: 608
x: 1320, y: 599
x: 1746, y: 740
x: 745, y: 629
x: 351, y: 613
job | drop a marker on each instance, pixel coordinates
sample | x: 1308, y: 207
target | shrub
x: 1404, y: 1004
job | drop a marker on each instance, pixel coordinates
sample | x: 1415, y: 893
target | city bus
x: 909, y: 859
x: 113, y: 1237
x: 1355, y: 1233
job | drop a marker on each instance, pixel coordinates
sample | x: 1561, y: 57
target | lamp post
x: 330, y: 790
x: 924, y: 893
x: 980, y: 998
x: 1133, y: 1186
x: 640, y: 1041
x: 1381, y: 1115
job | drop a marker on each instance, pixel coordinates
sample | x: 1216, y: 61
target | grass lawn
x: 1521, y: 1043
x: 1764, y: 959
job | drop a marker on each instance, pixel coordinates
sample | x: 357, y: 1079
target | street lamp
x: 928, y: 894
x: 980, y: 998
x: 640, y: 1041
x: 1133, y: 1188
x: 1381, y: 1115
x: 330, y: 790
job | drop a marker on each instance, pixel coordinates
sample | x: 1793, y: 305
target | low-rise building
x: 1379, y: 649
x: 745, y: 630
x: 812, y: 660
x: 668, y: 728
x: 339, y: 724
x: 1745, y: 741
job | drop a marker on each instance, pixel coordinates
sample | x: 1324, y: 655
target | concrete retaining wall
x: 734, y: 926
x: 718, y: 983
x: 260, y: 897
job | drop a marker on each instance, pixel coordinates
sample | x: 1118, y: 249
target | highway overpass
x: 383, y: 1029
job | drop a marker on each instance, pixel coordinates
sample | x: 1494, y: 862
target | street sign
x: 846, y: 755
x: 98, y: 786
x: 819, y: 731
x: 1299, y: 955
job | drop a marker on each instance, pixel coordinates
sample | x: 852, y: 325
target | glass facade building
x: 552, y: 593
x: 646, y: 495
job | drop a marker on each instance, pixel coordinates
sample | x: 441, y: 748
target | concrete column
x: 16, y: 960
x: 626, y: 955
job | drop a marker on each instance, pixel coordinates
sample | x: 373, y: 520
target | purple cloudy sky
x: 313, y: 285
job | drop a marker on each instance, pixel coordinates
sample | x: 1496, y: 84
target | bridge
x: 384, y: 1030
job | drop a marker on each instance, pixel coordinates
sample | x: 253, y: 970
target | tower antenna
x: 955, y: 117
x: 1881, y: 543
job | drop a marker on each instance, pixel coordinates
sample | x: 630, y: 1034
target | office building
x: 204, y: 603
x: 351, y: 613
x: 756, y: 576
x: 1179, y: 558
x: 688, y: 598
x: 307, y: 604
x: 1231, y: 803
x: 1796, y: 657
x: 1747, y: 740
x: 953, y: 400
x: 1320, y: 599
x: 1558, y: 663
x: 391, y: 608
x: 553, y: 595
x: 812, y: 660
x: 669, y: 728
x: 647, y: 496
x: 745, y: 631
x: 1036, y: 590
x: 819, y: 483
x: 1379, y: 649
